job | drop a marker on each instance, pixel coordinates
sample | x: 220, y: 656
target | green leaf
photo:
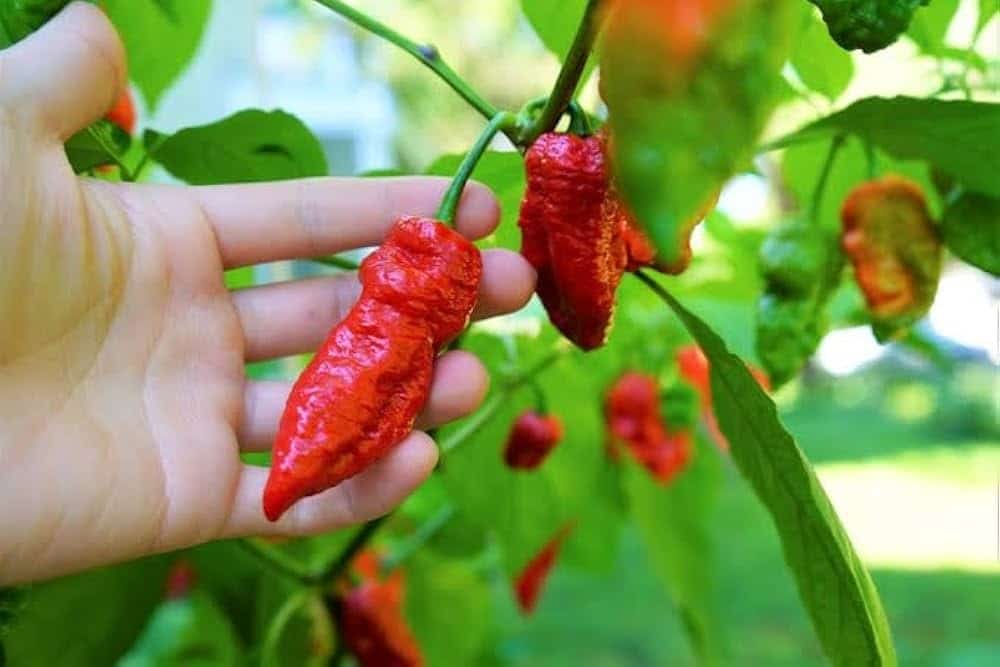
x: 681, y: 127
x: 556, y: 23
x: 11, y: 602
x: 189, y: 631
x: 87, y: 619
x: 987, y: 10
x: 20, y: 18
x: 959, y: 137
x: 971, y: 229
x: 160, y: 39
x: 503, y: 173
x: 676, y: 523
x: 249, y: 146
x: 834, y: 585
x: 930, y: 25
x: 100, y: 144
x: 820, y: 63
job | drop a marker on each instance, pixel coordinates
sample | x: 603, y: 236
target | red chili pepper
x: 532, y: 438
x: 361, y: 393
x: 181, y: 579
x: 894, y: 246
x: 635, y: 422
x: 123, y: 113
x: 529, y: 583
x: 570, y: 237
x: 694, y: 368
x: 372, y: 622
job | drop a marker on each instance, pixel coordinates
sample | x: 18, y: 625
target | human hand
x: 123, y: 400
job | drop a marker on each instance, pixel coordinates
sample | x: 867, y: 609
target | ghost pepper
x: 361, y: 393
x: 529, y: 583
x: 532, y: 437
x: 569, y: 236
x: 894, y: 246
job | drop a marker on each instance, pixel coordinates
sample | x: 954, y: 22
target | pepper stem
x: 824, y: 176
x: 569, y: 75
x: 541, y: 404
x: 449, y: 203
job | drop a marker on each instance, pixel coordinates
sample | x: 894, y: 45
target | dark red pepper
x: 529, y: 583
x: 570, y: 236
x: 362, y: 392
x: 532, y: 437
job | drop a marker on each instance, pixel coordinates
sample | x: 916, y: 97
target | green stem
x: 277, y: 561
x: 285, y: 613
x: 417, y: 540
x: 498, y: 400
x: 357, y: 543
x: 449, y: 203
x: 426, y: 54
x: 541, y: 404
x: 569, y: 75
x: 337, y: 262
x: 126, y: 173
x: 824, y: 176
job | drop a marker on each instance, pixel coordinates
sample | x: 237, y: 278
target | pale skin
x: 123, y: 400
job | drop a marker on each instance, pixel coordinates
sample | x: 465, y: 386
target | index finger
x: 265, y: 222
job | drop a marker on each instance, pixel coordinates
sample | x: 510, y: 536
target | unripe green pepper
x: 869, y: 25
x: 788, y: 332
x: 793, y: 258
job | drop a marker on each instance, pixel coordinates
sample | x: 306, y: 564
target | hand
x: 123, y: 401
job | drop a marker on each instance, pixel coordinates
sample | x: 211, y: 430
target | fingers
x: 290, y: 318
x: 459, y: 386
x: 312, y: 217
x: 371, y: 494
x: 68, y: 74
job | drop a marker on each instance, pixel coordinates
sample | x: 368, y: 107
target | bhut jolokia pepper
x: 529, y: 583
x: 894, y: 246
x: 361, y: 393
x: 532, y: 437
x: 868, y: 25
x: 372, y: 623
x: 635, y: 423
x: 569, y: 237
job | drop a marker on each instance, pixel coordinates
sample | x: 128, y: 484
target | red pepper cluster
x: 529, y: 583
x: 532, y: 437
x: 579, y: 235
x: 634, y: 420
x: 372, y: 623
x: 361, y: 393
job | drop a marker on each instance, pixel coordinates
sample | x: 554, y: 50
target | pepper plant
x: 653, y: 402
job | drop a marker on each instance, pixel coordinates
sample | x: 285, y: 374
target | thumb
x: 68, y: 74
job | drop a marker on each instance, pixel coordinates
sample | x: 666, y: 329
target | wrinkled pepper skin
x: 569, y: 236
x: 791, y: 258
x: 529, y: 583
x: 869, y: 25
x: 361, y: 393
x: 532, y: 438
x: 372, y: 623
x: 635, y: 423
x: 123, y: 113
x: 889, y: 237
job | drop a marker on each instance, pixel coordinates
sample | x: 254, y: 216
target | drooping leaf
x: 971, y: 229
x: 251, y: 145
x: 834, y: 585
x: 689, y: 86
x: 959, y: 137
x: 160, y: 39
x: 819, y: 62
x: 676, y: 525
x: 556, y: 23
x: 100, y: 144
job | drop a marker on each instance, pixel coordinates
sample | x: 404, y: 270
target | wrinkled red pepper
x: 635, y: 423
x: 569, y: 235
x: 895, y: 248
x: 532, y: 437
x: 372, y: 623
x: 529, y: 583
x: 362, y: 392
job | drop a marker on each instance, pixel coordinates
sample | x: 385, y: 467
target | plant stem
x: 449, y: 203
x: 486, y: 412
x: 276, y: 560
x: 824, y: 176
x: 569, y: 75
x: 337, y: 262
x: 357, y: 543
x: 426, y: 54
x: 417, y: 540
